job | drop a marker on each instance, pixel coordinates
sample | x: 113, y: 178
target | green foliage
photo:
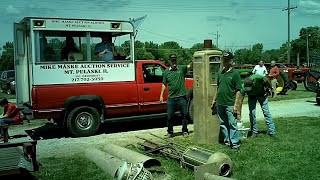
x: 298, y: 46
x: 153, y: 51
x: 6, y: 60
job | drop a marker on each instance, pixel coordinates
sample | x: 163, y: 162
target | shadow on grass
x: 52, y: 131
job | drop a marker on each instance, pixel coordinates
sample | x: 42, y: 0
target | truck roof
x: 28, y: 18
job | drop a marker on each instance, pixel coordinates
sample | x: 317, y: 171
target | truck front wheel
x: 83, y: 121
x: 190, y: 110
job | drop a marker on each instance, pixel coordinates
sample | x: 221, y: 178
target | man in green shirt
x: 174, y: 77
x: 226, y: 99
x: 257, y: 88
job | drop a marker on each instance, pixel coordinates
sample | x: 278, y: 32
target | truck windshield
x: 66, y: 46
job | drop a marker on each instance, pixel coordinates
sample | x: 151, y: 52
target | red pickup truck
x: 68, y: 70
x: 82, y: 107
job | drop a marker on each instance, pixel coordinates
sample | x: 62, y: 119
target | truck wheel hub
x: 84, y: 120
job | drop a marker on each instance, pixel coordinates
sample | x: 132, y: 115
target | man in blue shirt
x: 105, y: 50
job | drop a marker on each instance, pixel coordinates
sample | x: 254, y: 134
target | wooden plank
x: 11, y: 153
x: 7, y: 145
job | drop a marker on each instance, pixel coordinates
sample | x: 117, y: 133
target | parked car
x: 7, y: 82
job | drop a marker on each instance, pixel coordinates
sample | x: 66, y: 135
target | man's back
x: 258, y: 87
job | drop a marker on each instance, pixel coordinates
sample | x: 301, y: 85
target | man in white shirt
x: 260, y: 69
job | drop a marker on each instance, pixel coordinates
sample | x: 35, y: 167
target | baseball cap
x: 173, y: 56
x: 227, y: 56
x: 248, y: 83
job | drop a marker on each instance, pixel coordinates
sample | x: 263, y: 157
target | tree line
x: 153, y: 51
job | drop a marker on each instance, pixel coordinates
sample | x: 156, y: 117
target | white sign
x: 82, y: 73
x: 84, y: 25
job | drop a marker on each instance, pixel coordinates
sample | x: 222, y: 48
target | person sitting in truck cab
x: 48, y: 53
x: 105, y: 50
x: 11, y: 114
x: 70, y: 47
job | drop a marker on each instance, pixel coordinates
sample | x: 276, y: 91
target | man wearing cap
x: 257, y: 88
x: 11, y: 114
x: 174, y: 77
x: 227, y: 98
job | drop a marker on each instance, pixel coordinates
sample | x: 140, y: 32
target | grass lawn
x: 5, y: 95
x: 294, y: 154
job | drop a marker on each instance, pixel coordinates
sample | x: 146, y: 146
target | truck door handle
x: 146, y: 89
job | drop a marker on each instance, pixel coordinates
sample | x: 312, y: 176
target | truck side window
x: 55, y: 46
x: 152, y: 73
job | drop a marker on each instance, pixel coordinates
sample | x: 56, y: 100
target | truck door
x: 151, y: 87
x: 21, y: 64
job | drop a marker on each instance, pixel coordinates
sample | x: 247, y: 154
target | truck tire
x: 190, y: 110
x: 83, y: 121
x: 283, y: 83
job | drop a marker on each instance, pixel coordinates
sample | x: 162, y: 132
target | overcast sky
x: 240, y: 23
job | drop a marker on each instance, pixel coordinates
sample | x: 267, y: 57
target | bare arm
x: 214, y: 100
x: 114, y: 51
x: 240, y: 108
x: 235, y: 106
x: 190, y: 66
x: 100, y: 54
x: 162, y: 91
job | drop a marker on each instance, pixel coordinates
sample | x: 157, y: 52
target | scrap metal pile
x: 125, y: 164
x: 200, y: 160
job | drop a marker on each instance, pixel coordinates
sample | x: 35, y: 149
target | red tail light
x: 34, y: 96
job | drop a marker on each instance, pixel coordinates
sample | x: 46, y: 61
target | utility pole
x: 217, y: 38
x: 308, y: 58
x: 288, y: 44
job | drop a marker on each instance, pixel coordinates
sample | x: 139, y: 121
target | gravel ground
x: 64, y: 146
x: 286, y: 108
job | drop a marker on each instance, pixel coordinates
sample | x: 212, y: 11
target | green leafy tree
x: 7, y: 57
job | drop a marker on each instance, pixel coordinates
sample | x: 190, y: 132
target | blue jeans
x: 228, y: 125
x: 171, y: 109
x: 5, y: 121
x: 263, y: 101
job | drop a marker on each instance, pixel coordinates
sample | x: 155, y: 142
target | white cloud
x: 311, y: 7
x: 12, y: 10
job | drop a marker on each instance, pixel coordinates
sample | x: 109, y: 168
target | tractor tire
x: 283, y: 83
x: 190, y: 111
x: 309, y: 82
x: 293, y: 85
x: 83, y: 121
